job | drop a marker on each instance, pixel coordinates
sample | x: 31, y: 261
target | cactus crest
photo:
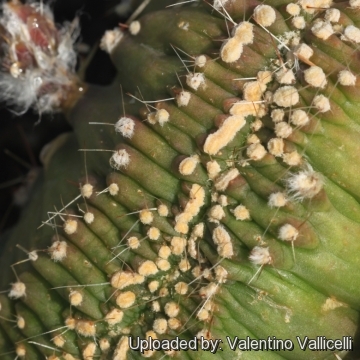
x: 218, y: 201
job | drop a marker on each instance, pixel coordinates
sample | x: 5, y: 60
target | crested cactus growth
x: 218, y: 205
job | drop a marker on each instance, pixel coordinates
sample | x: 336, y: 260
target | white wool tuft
x: 111, y: 39
x: 322, y: 103
x: 260, y: 256
x: 305, y: 184
x: 125, y: 126
x: 346, y: 78
x: 299, y: 118
x: 288, y: 233
x: 264, y: 15
x: 286, y: 96
x: 120, y: 159
x: 315, y: 76
x: 352, y: 33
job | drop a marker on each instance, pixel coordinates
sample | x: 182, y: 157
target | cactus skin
x: 283, y: 270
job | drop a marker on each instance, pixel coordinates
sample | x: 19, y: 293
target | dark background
x: 25, y: 136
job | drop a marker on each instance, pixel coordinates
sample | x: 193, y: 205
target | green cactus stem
x: 218, y: 201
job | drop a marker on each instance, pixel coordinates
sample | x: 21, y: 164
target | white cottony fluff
x: 44, y: 81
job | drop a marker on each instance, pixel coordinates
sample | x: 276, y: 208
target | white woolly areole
x: 200, y: 61
x: 315, y: 76
x: 163, y: 210
x: 223, y: 241
x: 104, y: 345
x: 213, y: 169
x: 346, y: 78
x: 264, y: 76
x: 277, y: 200
x: 252, y: 139
x: 183, y: 98
x: 133, y: 242
x: 20, y: 322
x: 222, y: 182
x: 332, y: 15
x: 253, y: 90
x: 89, y: 217
x: 312, y: 6
x: 219, y: 4
x: 125, y: 126
x: 231, y: 50
x: 70, y: 226
x: 181, y: 288
x: 114, y: 316
x: 354, y: 3
x: 146, y: 216
x: 216, y: 213
x: 160, y: 326
x: 224, y: 135
x: 162, y: 116
x: 283, y: 130
x: 153, y: 233
x: 122, y: 349
x: 20, y: 350
x: 172, y: 309
x: 18, y: 290
x: 264, y: 15
x: 244, y: 32
x: 256, y: 125
x: 221, y: 274
x: 208, y: 291
x: 292, y: 158
x: 134, y: 27
x: 188, y: 165
x: 126, y: 299
x: 202, y: 315
x: 184, y: 265
x: 304, y: 184
x: 75, y: 298
x: 277, y: 115
x: 321, y: 103
x: 276, y: 146
x: 33, y: 256
x: 293, y: 9
x: 85, y: 328
x: 123, y: 279
x: 87, y: 190
x: 260, y: 256
x: 58, y: 340
x: 195, y: 81
x: 255, y: 152
x: 198, y: 230
x: 110, y: 40
x: 322, y: 30
x: 153, y: 286
x: 113, y: 189
x: 163, y: 264
x: 299, y: 118
x: 147, y: 268
x: 58, y: 250
x: 119, y: 159
x: 288, y: 233
x: 192, y: 208
x: 241, y: 213
x: 286, y: 96
x: 178, y: 245
x: 299, y: 22
x: 245, y: 108
x: 285, y: 76
x: 351, y: 33
x: 89, y: 351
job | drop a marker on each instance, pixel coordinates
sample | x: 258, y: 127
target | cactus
x: 219, y: 201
